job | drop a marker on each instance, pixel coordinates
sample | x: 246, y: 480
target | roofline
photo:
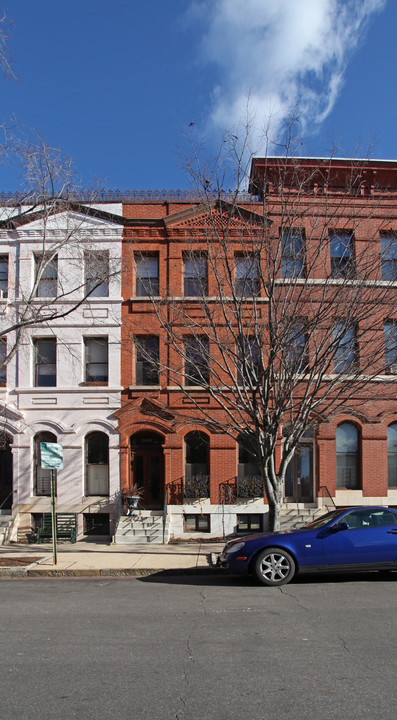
x: 316, y: 158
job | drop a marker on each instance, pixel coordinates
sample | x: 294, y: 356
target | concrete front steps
x: 296, y: 517
x: 146, y: 527
x: 5, y: 526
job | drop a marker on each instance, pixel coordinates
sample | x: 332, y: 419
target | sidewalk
x: 91, y: 559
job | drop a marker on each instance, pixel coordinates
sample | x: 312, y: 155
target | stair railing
x: 328, y: 494
x: 165, y: 512
x: 118, y: 506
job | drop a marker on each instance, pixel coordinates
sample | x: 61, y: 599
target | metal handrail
x: 324, y: 487
x: 165, y: 512
x: 118, y: 506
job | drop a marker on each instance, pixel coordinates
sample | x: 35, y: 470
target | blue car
x: 344, y: 540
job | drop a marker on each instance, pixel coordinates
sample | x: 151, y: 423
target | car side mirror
x: 340, y: 526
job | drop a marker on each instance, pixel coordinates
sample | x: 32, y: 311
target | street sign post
x: 51, y: 458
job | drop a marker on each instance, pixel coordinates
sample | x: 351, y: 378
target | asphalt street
x: 199, y: 648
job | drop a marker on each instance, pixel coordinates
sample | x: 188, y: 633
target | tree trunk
x: 274, y: 513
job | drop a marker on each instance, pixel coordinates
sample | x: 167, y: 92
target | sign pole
x: 51, y: 458
x: 53, y: 518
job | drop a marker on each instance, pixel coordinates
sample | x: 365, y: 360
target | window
x: 390, y: 330
x: 250, y: 522
x: 392, y: 455
x: 296, y: 352
x: 3, y: 355
x: 388, y: 257
x: 249, y: 481
x: 147, y: 361
x: 248, y: 371
x: 341, y: 250
x: 197, y: 523
x: 96, y: 266
x: 247, y: 275
x: 96, y: 360
x: 347, y: 456
x: 346, y: 354
x: 369, y: 518
x: 146, y: 275
x: 292, y: 254
x: 45, y: 374
x: 197, y: 450
x: 195, y: 275
x: 42, y: 479
x: 196, y: 361
x: 3, y: 276
x: 46, y: 275
x: 97, y: 464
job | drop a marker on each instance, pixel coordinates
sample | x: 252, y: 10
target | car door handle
x: 392, y: 532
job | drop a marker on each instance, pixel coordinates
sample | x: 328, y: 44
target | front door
x: 299, y: 475
x: 5, y: 473
x: 147, y: 468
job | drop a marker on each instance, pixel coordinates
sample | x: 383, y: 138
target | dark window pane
x: 388, y: 254
x: 45, y: 371
x: 390, y: 329
x: 96, y: 359
x: 341, y: 255
x: 345, y: 356
x: 196, y: 361
x: 3, y: 276
x: 97, y: 274
x: 292, y: 254
x: 247, y: 275
x: 97, y: 464
x: 47, y: 274
x: 147, y: 360
x: 43, y: 476
x: 347, y: 456
x: 392, y: 455
x: 195, y: 275
x: 147, y: 275
x: 3, y: 355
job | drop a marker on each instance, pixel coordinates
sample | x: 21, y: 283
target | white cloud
x: 286, y: 55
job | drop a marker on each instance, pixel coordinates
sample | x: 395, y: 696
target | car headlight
x: 233, y: 548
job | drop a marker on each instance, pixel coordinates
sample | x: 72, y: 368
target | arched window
x: 347, y: 456
x: 249, y: 480
x: 97, y: 464
x: 42, y: 478
x: 392, y: 455
x: 197, y: 465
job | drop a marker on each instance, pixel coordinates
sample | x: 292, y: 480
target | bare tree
x: 281, y: 318
x: 51, y: 197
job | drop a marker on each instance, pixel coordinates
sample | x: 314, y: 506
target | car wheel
x: 274, y: 567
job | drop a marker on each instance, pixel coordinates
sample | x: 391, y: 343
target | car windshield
x: 323, y: 520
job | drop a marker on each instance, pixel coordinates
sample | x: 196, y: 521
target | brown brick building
x: 331, y: 231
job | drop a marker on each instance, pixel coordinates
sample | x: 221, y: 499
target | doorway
x: 5, y: 472
x: 147, y: 467
x: 299, y: 475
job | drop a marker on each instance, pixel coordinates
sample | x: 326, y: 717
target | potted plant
x: 132, y: 497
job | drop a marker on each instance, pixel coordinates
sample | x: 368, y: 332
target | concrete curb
x: 109, y: 572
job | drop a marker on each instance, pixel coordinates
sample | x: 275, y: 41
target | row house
x: 128, y: 378
x: 62, y: 383
x: 170, y: 445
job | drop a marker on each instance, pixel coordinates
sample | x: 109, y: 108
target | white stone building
x: 63, y: 382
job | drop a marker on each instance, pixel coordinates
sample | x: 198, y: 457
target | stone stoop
x: 146, y: 527
x: 293, y: 518
x: 5, y: 525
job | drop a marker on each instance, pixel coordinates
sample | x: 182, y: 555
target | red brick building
x: 335, y: 215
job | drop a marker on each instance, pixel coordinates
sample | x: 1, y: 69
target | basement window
x: 197, y: 523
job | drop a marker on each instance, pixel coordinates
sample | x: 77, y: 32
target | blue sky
x: 116, y: 85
